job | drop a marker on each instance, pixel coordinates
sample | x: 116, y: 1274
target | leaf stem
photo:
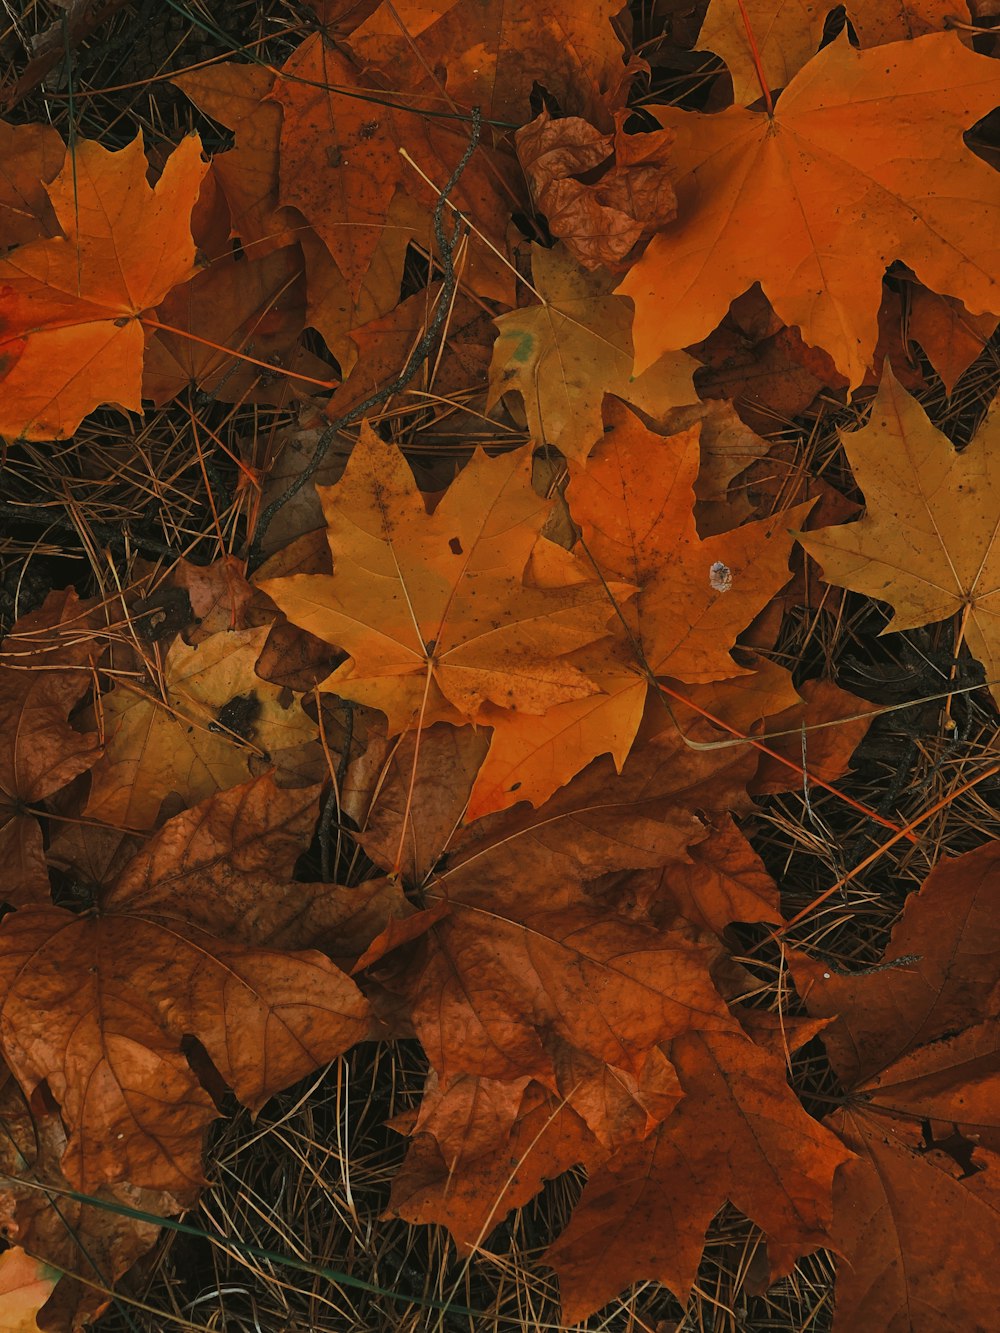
x: 757, y: 62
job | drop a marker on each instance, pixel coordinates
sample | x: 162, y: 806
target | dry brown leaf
x: 215, y: 719
x: 100, y: 1006
x: 46, y: 667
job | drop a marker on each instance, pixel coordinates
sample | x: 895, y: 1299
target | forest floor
x: 309, y: 1175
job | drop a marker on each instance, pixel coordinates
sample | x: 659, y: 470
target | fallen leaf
x: 951, y: 338
x: 526, y: 953
x: 214, y: 717
x: 547, y: 1138
x: 46, y: 667
x: 863, y: 128
x: 72, y: 302
x: 549, y: 353
x: 601, y: 221
x: 30, y: 158
x: 25, y: 1285
x: 233, y: 310
x: 361, y: 168
x: 789, y: 32
x: 919, y: 1241
x: 71, y: 1235
x: 739, y: 1133
x: 634, y: 505
x: 491, y: 54
x: 915, y: 1043
x: 236, y: 96
x: 927, y: 543
x: 100, y: 1006
x: 432, y: 607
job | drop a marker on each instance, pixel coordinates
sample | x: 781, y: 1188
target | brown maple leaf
x: 30, y: 157
x: 739, y: 1133
x: 70, y: 328
x: 915, y: 1042
x: 601, y: 221
x: 184, y: 741
x: 327, y: 99
x: 491, y: 54
x: 99, y: 1006
x: 46, y: 667
x: 72, y: 1236
x: 526, y: 953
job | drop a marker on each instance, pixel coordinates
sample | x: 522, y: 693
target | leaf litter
x: 573, y: 847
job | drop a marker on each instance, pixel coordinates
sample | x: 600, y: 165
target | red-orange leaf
x: 71, y: 303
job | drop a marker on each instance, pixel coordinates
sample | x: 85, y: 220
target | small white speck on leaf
x: 720, y: 576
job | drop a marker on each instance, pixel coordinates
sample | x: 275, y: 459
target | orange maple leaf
x: 862, y: 163
x: 70, y: 329
x: 434, y: 607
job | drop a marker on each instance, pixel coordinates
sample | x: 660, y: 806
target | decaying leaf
x: 99, y: 1006
x: 916, y: 1044
x: 738, y: 1133
x: 214, y: 718
x: 46, y: 667
x: 601, y: 220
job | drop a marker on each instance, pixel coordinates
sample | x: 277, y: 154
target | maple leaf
x: 492, y: 53
x: 873, y: 131
x: 634, y: 505
x: 724, y: 881
x: 951, y: 338
x: 433, y: 607
x: 916, y: 1043
x: 927, y: 544
x: 236, y: 95
x: 546, y: 1138
x: 601, y: 220
x: 526, y: 954
x: 26, y: 1284
x: 30, y: 156
x: 233, y: 305
x: 566, y: 353
x: 100, y: 1006
x: 789, y: 32
x: 46, y: 667
x: 74, y: 1237
x: 326, y: 99
x: 72, y: 302
x: 739, y: 1133
x: 181, y: 742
